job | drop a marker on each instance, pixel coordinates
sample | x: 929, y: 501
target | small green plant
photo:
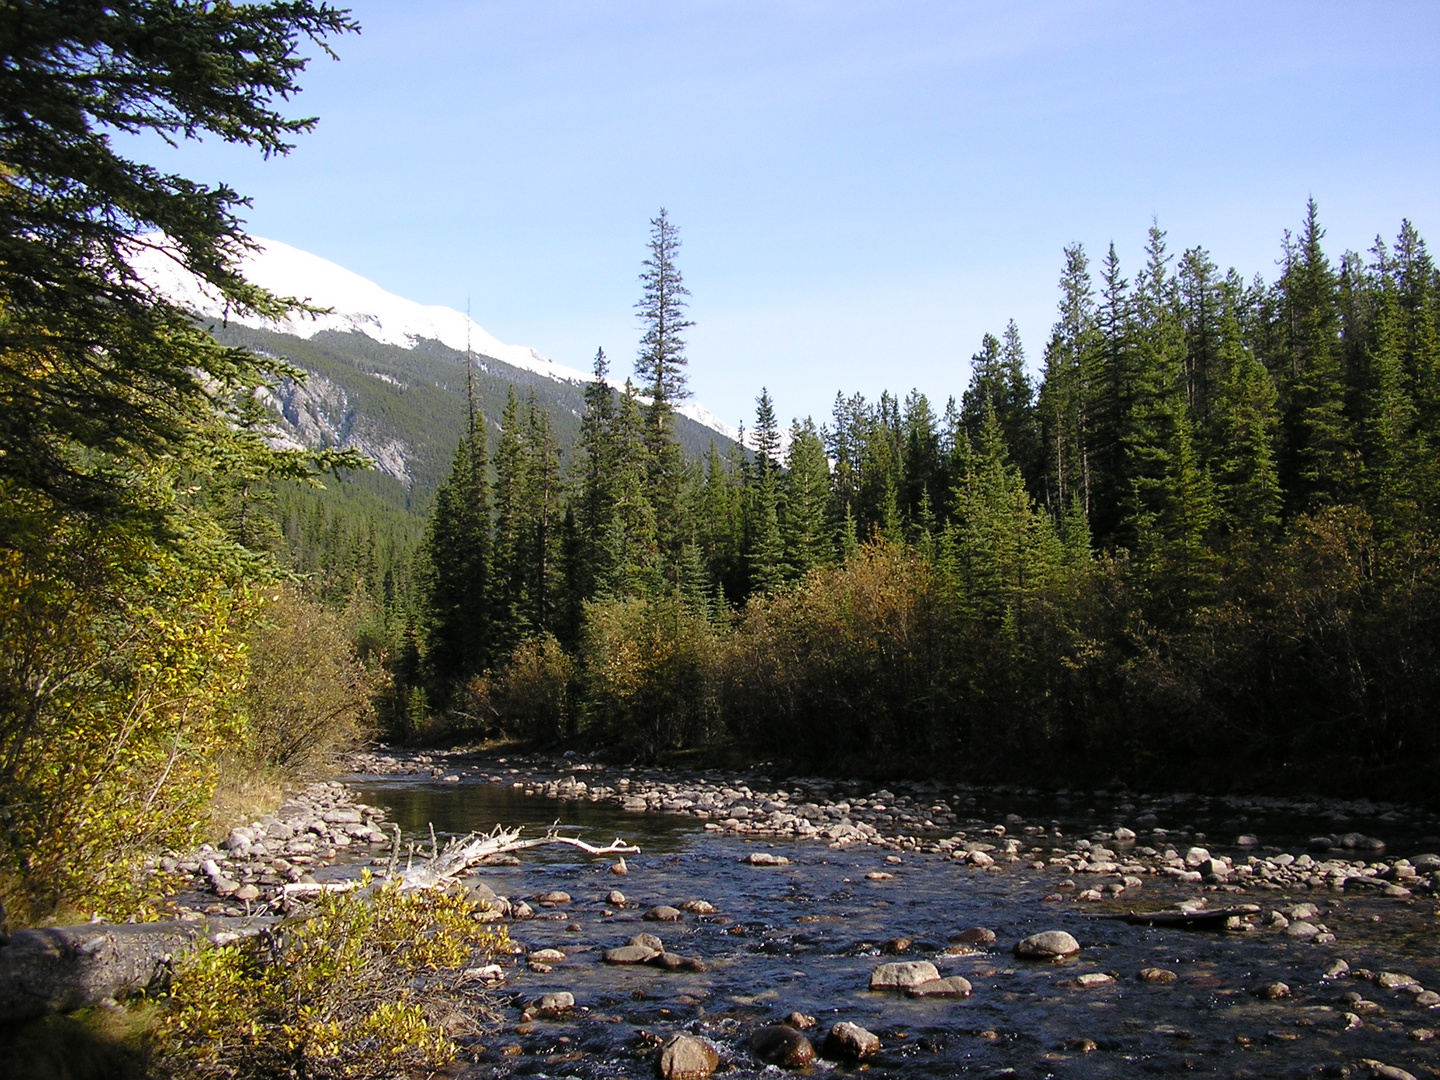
x: 372, y: 984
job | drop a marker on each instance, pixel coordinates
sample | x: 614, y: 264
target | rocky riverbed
x: 910, y: 923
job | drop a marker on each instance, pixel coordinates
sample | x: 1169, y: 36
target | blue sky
x: 863, y: 188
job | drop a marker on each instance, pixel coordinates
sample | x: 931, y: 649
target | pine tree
x: 1245, y: 421
x: 508, y: 583
x: 1065, y: 469
x: 660, y: 366
x: 544, y: 521
x: 1320, y: 463
x: 805, y: 527
x: 765, y: 548
x: 593, y: 482
x: 631, y: 563
x: 1392, y: 467
x: 922, y: 467
x: 455, y: 556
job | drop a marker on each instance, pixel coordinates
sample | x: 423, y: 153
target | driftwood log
x: 70, y: 967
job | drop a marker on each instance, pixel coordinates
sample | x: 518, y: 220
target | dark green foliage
x: 1204, y: 553
x: 96, y: 376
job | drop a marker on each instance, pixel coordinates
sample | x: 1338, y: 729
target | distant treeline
x: 1201, y: 550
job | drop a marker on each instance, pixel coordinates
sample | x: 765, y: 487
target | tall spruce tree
x: 1320, y: 463
x: 806, y: 526
x: 660, y: 367
x: 455, y: 561
x: 765, y: 547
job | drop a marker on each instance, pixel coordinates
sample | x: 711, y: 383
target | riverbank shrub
x: 120, y: 678
x: 307, y: 697
x: 370, y: 984
x: 649, y: 670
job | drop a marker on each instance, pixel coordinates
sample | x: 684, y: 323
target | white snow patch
x: 359, y: 306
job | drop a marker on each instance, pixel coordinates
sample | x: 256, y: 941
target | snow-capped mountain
x: 357, y: 305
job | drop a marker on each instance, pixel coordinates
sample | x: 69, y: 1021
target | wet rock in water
x: 1273, y: 991
x: 1394, y: 980
x: 952, y: 987
x: 684, y: 1057
x: 1081, y: 1046
x: 1302, y: 931
x: 1247, y: 840
x: 1092, y: 980
x: 675, y: 962
x: 800, y: 1021
x: 1382, y: 1071
x: 698, y: 907
x: 781, y: 1045
x: 522, y: 910
x: 552, y: 898
x: 975, y: 935
x: 1426, y: 864
x: 980, y: 858
x: 1302, y: 911
x: 879, y: 875
x: 764, y: 858
x: 615, y: 898
x: 246, y: 893
x: 1427, y: 999
x: 647, y: 941
x: 554, y: 1004
x: 630, y: 954
x: 1423, y: 1034
x: 619, y: 867
x: 901, y: 976
x: 1336, y: 969
x: 850, y: 1042
x: 547, y: 956
x: 1050, y: 945
x: 664, y: 913
x: 1156, y: 975
x: 896, y: 946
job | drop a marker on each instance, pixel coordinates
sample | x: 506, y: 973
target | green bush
x: 371, y: 985
x: 307, y: 696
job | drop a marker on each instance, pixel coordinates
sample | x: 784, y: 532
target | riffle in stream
x: 805, y: 937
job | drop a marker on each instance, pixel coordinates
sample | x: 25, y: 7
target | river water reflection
x: 806, y: 936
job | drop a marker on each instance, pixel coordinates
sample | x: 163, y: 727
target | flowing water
x: 806, y: 936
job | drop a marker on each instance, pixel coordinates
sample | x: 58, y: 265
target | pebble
x: 850, y: 1042
x: 1092, y: 980
x: 1050, y: 945
x: 1273, y: 991
x: 554, y: 1004
x: 764, y: 858
x: 800, y: 1021
x: 1157, y: 975
x: 664, y: 913
x: 975, y: 935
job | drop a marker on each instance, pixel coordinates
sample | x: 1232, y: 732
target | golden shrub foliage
x: 120, y: 676
x: 307, y: 698
x: 650, y: 668
x: 371, y: 985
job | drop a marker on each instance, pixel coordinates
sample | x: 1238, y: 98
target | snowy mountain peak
x: 358, y: 306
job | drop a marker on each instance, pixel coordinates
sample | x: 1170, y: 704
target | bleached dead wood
x: 447, y: 865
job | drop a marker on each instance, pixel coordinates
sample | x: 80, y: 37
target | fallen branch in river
x: 448, y: 864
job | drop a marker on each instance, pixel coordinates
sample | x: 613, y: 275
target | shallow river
x: 806, y: 937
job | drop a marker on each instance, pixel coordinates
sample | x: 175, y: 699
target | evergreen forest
x: 1197, y: 548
